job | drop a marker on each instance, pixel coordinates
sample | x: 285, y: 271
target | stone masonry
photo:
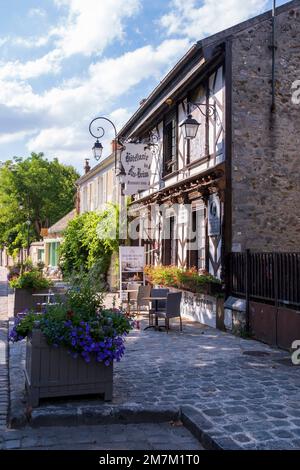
x: 265, y: 160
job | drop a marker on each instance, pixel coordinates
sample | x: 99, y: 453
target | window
x: 170, y: 145
x: 170, y: 242
x: 41, y: 254
x: 196, y: 252
x: 53, y: 253
x: 100, y: 189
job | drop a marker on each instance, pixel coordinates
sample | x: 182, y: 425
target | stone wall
x: 266, y: 146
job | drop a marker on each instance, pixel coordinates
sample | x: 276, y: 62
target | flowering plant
x: 81, y: 325
x: 181, y: 278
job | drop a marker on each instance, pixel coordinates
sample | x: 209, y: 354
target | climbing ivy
x: 89, y: 241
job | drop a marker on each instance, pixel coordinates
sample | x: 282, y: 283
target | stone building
x: 237, y: 183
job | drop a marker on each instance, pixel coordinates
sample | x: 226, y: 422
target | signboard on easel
x: 132, y: 263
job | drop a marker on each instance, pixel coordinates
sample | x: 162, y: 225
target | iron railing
x: 271, y: 277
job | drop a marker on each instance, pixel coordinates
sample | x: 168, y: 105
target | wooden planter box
x: 52, y: 372
x: 23, y: 299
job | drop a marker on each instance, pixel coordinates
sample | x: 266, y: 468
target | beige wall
x: 97, y: 191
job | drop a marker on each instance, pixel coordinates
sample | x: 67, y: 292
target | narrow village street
x: 241, y: 393
x: 125, y: 437
x: 149, y: 228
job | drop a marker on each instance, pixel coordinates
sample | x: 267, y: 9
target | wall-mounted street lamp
x: 28, y: 223
x: 98, y: 147
x: 190, y: 125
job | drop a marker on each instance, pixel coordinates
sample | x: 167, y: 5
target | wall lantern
x: 190, y: 125
x: 98, y: 133
x: 97, y: 150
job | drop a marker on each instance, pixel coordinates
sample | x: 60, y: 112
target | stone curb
x: 95, y: 415
x: 203, y: 429
x: 191, y: 418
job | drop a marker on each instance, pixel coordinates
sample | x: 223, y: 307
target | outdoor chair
x: 159, y: 305
x: 132, y: 296
x: 144, y: 291
x: 172, y: 310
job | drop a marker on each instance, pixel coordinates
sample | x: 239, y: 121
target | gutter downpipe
x: 273, y: 47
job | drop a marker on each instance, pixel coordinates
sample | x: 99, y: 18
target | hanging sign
x: 136, y: 160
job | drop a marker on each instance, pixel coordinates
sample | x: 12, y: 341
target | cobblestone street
x: 246, y: 393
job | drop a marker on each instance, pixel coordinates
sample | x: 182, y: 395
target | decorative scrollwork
x: 100, y: 131
x: 210, y: 109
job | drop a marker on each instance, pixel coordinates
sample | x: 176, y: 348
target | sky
x: 65, y: 62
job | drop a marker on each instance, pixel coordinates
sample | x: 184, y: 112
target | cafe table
x: 155, y: 299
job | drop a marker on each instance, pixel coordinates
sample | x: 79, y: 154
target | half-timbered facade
x: 187, y: 176
x: 230, y: 185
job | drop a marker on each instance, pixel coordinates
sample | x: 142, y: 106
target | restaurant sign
x: 132, y: 263
x: 136, y: 160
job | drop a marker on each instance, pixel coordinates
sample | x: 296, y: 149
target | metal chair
x: 144, y: 291
x: 160, y: 305
x: 172, y: 310
x: 132, y: 296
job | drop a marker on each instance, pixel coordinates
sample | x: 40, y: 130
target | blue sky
x: 63, y: 62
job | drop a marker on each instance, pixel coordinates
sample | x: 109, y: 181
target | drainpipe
x: 273, y: 47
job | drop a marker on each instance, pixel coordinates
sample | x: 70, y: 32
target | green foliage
x: 30, y: 280
x: 89, y: 241
x: 84, y: 298
x: 44, y: 189
x: 80, y: 324
x: 25, y: 324
x: 189, y: 279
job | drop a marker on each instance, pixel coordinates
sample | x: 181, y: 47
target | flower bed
x: 186, y: 279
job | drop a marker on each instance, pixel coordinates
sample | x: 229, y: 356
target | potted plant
x: 26, y: 280
x: 71, y: 346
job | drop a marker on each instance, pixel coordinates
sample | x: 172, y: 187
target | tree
x: 89, y: 241
x: 36, y: 190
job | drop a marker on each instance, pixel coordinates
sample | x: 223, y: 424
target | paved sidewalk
x: 244, y: 393
x: 3, y: 349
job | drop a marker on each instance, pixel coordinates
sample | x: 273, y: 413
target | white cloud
x: 62, y: 114
x: 196, y: 21
x: 32, y: 42
x: 48, y: 64
x: 14, y: 136
x: 37, y: 12
x: 92, y: 25
x: 3, y: 41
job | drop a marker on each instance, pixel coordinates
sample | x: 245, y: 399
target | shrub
x: 30, y: 280
x: 80, y: 324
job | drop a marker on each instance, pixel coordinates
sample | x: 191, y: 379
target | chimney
x: 115, y: 145
x: 87, y: 166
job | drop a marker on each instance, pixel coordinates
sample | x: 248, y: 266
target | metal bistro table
x: 128, y: 292
x: 47, y: 296
x: 156, y: 300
